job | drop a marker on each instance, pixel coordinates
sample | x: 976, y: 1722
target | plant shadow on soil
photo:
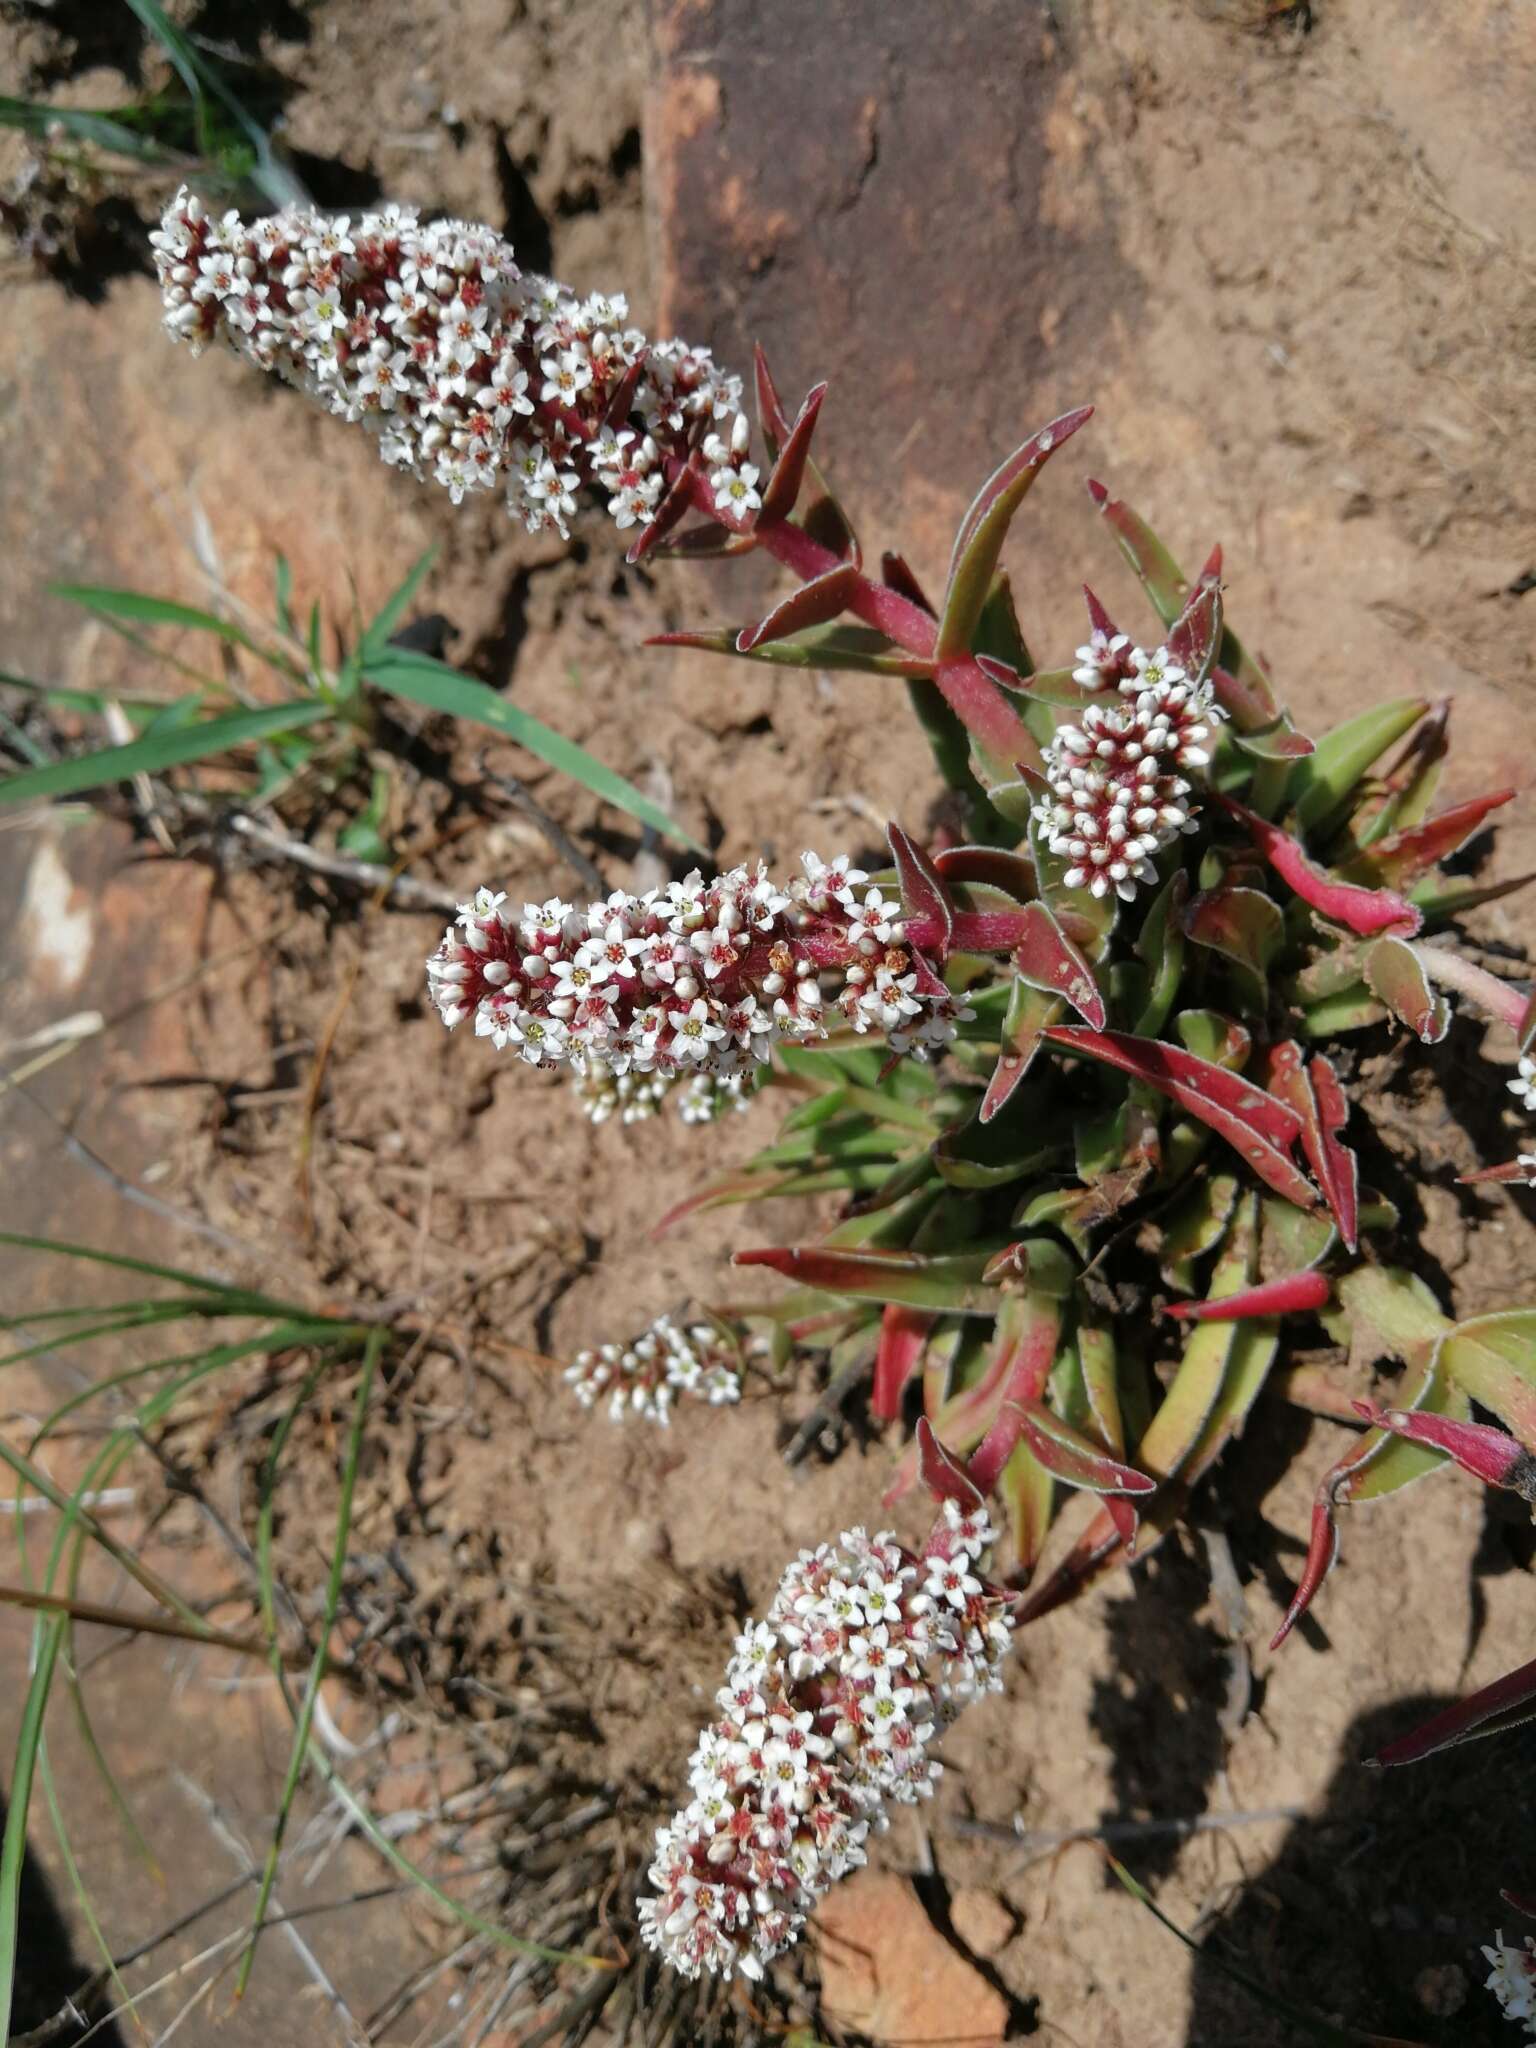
x: 50, y: 1972
x: 1375, y: 1909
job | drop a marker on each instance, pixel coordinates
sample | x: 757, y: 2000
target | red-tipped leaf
x: 813, y: 604
x: 1508, y: 1701
x: 923, y: 891
x: 788, y: 473
x: 1366, y: 911
x: 1076, y: 1459
x: 1294, y: 1294
x: 1489, y: 1454
x: 904, y: 1336
x: 1047, y: 959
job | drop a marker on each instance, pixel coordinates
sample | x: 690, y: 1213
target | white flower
x: 1524, y: 1083
x: 1512, y: 1979
x: 736, y: 489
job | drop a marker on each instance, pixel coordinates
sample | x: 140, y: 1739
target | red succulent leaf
x: 1322, y: 1553
x: 739, y: 1187
x: 896, y: 574
x: 951, y: 1282
x: 988, y: 716
x: 1512, y: 1173
x: 1195, y: 634
x: 1098, y: 619
x: 1024, y: 1022
x: 788, y: 472
x: 1489, y: 1454
x: 1244, y: 924
x: 1047, y: 959
x: 1510, y: 1700
x: 678, y: 499
x: 813, y: 604
x: 1293, y: 1294
x: 1525, y: 1030
x: 1395, y: 974
x: 1405, y: 856
x: 622, y: 398
x: 903, y: 1338
x: 941, y: 1472
x: 993, y: 866
x: 1165, y: 583
x: 1523, y: 1902
x: 984, y: 529
x: 704, y: 543
x: 1366, y: 911
x: 1095, y: 1550
x: 1317, y: 1098
x: 1256, y: 1124
x: 923, y: 892
x: 771, y: 417
x: 1076, y: 1459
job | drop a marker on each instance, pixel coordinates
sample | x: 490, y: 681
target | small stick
x: 366, y: 874
x: 523, y: 799
x: 829, y: 1408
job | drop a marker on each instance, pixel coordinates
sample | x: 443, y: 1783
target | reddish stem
x: 1025, y: 1382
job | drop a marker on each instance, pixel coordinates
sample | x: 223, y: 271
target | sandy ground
x: 1294, y: 272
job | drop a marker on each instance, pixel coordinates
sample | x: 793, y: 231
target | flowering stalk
x: 698, y: 978
x: 698, y: 1362
x: 470, y: 373
x: 828, y: 1709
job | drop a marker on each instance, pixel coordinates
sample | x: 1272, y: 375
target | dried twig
x: 268, y: 844
x: 1040, y: 1842
x: 522, y: 797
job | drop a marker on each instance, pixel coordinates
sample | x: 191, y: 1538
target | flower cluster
x: 1512, y: 1980
x: 1115, y: 798
x: 470, y: 373
x: 701, y: 1362
x: 635, y: 1098
x: 699, y: 978
x: 826, y: 1716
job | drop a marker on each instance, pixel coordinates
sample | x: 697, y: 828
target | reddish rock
x: 888, y: 1972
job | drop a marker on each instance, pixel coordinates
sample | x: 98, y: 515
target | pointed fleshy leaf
x: 622, y: 398
x: 1099, y: 620
x: 1026, y: 1493
x: 1395, y: 974
x: 1159, y: 574
x: 1195, y: 634
x: 788, y: 473
x: 1028, y: 1014
x: 813, y: 604
x: 1047, y: 959
x: 1321, y: 785
x: 1047, y: 686
x: 1506, y: 1703
x: 1294, y: 1294
x: 680, y: 497
x: 1243, y: 925
x: 896, y: 574
x: 951, y: 1284
x: 942, y: 1473
x: 1160, y: 947
x: 985, y: 527
x: 773, y: 422
x: 838, y: 645
x: 1197, y: 1226
x: 1380, y: 1463
x: 1260, y: 1127
x: 1489, y: 1454
x: 1509, y: 1173
x: 904, y: 1336
x: 1096, y: 1353
x: 1176, y: 1428
x: 702, y: 544
x: 1075, y: 1459
x: 1405, y: 856
x: 924, y: 893
x: 823, y: 518
x: 1408, y: 788
x: 1318, y: 1099
x: 1493, y: 1358
x: 1276, y: 741
x: 1017, y: 1366
x: 1359, y: 909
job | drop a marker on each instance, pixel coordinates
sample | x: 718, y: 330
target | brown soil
x: 1294, y: 272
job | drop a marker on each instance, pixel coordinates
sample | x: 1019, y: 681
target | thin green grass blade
x: 281, y: 185
x: 440, y: 688
x: 137, y: 710
x: 13, y: 1847
x: 76, y: 1881
x: 372, y: 1352
x: 375, y: 641
x: 110, y: 1328
x: 36, y: 117
x: 152, y: 754
x: 197, y: 1281
x: 109, y: 601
